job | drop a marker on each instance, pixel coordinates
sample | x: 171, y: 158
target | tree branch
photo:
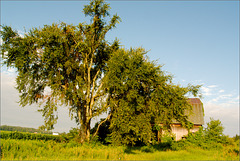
x: 101, y: 124
x: 92, y: 98
x: 99, y: 88
x: 94, y: 79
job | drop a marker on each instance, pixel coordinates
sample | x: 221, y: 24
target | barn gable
x: 196, y: 116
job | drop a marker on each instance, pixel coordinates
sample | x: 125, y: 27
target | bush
x: 180, y: 145
x: 167, y: 138
x: 203, y: 139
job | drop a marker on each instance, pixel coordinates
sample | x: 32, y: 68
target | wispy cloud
x: 214, y: 91
x: 207, y: 91
x: 221, y: 91
x: 227, y: 113
x: 225, y: 99
x: 212, y: 86
x: 223, y: 105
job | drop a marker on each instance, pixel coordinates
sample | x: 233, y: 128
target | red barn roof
x: 194, y: 101
x: 196, y: 115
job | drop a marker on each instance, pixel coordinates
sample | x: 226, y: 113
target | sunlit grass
x: 198, y: 154
x: 49, y: 150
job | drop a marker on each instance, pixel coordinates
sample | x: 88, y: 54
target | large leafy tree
x: 63, y: 64
x: 143, y: 97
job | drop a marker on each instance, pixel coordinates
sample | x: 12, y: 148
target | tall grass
x: 12, y: 149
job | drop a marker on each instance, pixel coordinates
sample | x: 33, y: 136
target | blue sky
x: 196, y: 41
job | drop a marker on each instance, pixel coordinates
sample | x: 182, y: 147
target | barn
x: 196, y: 117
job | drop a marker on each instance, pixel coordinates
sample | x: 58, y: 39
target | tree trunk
x: 159, y: 135
x: 85, y: 122
x: 88, y: 128
x: 85, y: 132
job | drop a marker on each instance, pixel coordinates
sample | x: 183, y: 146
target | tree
x: 141, y: 97
x: 236, y: 137
x: 63, y: 64
x: 214, y: 130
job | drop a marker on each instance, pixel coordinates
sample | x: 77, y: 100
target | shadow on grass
x: 162, y: 146
x: 129, y: 150
x: 148, y: 149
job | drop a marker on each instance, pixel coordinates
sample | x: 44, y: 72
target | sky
x: 195, y: 41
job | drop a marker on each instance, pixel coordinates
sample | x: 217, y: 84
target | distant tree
x: 236, y: 137
x: 63, y: 64
x: 141, y: 95
x: 214, y: 130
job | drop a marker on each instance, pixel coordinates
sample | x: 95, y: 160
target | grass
x: 48, y: 150
x: 12, y: 149
x: 188, y: 154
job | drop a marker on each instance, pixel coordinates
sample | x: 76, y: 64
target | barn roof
x: 197, y: 114
x: 194, y: 101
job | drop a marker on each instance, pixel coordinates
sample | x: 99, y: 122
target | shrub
x: 167, y: 138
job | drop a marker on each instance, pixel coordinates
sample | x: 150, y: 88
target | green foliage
x: 236, y: 138
x: 167, y: 138
x: 214, y: 130
x: 63, y: 64
x: 197, y: 138
x: 127, y: 76
x: 209, y: 138
x: 141, y: 97
x: 74, y: 135
x: 214, y: 133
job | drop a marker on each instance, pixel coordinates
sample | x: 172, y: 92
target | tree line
x: 22, y: 129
